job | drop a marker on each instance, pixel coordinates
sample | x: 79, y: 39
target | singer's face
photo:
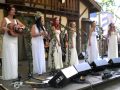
x: 42, y: 20
x: 57, y: 21
x: 12, y: 11
x: 112, y: 25
x: 73, y: 24
x: 94, y: 24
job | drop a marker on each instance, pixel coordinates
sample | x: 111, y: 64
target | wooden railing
x: 69, y: 5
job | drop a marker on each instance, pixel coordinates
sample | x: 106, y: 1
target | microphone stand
x: 28, y: 55
x: 85, y: 55
x: 28, y: 52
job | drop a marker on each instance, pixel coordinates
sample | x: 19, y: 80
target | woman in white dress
x: 72, y: 59
x: 92, y: 47
x: 55, y: 52
x: 112, y: 42
x: 10, y: 46
x: 38, y: 51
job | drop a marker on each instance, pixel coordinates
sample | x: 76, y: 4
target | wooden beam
x: 30, y: 3
x: 83, y: 12
x: 35, y: 3
x: 92, y: 5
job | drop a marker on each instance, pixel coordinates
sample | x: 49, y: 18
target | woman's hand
x: 41, y: 33
x: 46, y: 33
x: 12, y: 33
x: 66, y: 44
x: 59, y: 44
x: 19, y: 29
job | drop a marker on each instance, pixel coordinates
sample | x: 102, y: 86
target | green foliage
x: 112, y: 6
x: 28, y: 21
x: 107, y: 5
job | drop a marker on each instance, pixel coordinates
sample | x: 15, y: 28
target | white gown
x: 10, y: 55
x: 57, y: 55
x: 73, y: 51
x: 113, y: 46
x: 38, y: 53
x: 92, y: 50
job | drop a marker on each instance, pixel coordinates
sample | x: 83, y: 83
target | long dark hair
x: 92, y: 23
x: 9, y: 9
x: 39, y: 24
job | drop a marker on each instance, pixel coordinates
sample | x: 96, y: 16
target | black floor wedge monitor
x: 62, y: 78
x: 99, y: 64
x: 83, y: 68
x: 114, y: 62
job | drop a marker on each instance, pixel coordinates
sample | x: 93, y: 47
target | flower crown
x: 38, y: 14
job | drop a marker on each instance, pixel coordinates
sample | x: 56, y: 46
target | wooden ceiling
x: 69, y: 8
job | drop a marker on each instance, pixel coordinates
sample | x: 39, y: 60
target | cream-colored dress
x: 55, y: 57
x: 38, y: 53
x: 73, y: 53
x: 1, y: 42
x: 113, y: 46
x: 92, y: 50
x: 10, y: 55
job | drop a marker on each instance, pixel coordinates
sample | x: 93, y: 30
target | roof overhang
x: 92, y: 5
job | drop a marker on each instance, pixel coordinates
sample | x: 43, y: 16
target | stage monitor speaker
x: 62, y: 78
x: 99, y: 64
x: 81, y: 55
x: 114, y: 62
x: 83, y: 68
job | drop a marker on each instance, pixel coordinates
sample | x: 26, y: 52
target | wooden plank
x: 69, y: 5
x: 48, y: 8
x: 73, y: 4
x: 44, y: 4
x: 77, y: 5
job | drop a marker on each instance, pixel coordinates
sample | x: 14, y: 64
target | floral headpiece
x: 38, y: 14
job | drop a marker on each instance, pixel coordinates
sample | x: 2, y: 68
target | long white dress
x: 73, y: 52
x: 10, y: 55
x: 92, y: 50
x: 55, y: 62
x: 38, y: 53
x: 113, y: 46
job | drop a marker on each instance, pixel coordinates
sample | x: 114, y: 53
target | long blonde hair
x: 111, y: 28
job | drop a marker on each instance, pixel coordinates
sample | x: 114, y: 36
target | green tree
x: 111, y: 6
